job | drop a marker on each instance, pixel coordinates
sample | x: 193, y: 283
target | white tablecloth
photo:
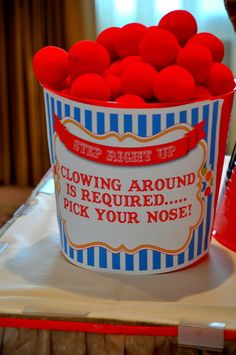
x: 35, y: 278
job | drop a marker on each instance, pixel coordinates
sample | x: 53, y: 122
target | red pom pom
x: 220, y: 80
x: 91, y: 86
x: 138, y: 79
x: 129, y: 61
x: 115, y: 68
x: 65, y: 92
x: 119, y: 66
x: 159, y: 48
x: 174, y: 84
x: 128, y: 39
x: 130, y: 99
x: 151, y: 28
x: 181, y: 23
x: 107, y: 39
x: 88, y: 57
x: 115, y: 85
x: 201, y: 93
x: 215, y: 45
x: 63, y: 85
x: 197, y: 59
x: 50, y: 65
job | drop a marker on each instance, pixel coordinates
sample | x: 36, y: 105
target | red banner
x: 130, y: 156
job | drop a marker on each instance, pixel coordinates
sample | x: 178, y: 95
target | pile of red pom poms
x: 167, y: 63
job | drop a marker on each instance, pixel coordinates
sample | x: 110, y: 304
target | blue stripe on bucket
x: 80, y: 256
x: 156, y: 123
x: 142, y: 125
x: 59, y: 111
x: 65, y: 242
x: 100, y: 123
x: 213, y: 132
x: 114, y: 122
x: 90, y: 256
x: 77, y: 114
x: 194, y: 116
x: 183, y: 116
x: 169, y: 260
x: 200, y: 234
x: 52, y: 106
x: 181, y: 258
x: 71, y: 252
x: 191, y: 248
x: 116, y: 261
x: 206, y: 119
x: 50, y: 128
x: 52, y: 112
x: 67, y: 110
x: 170, y: 120
x: 129, y: 262
x: 127, y: 123
x: 88, y: 119
x: 156, y: 260
x: 208, y: 220
x: 212, y: 144
x: 143, y: 260
x: 102, y: 258
x: 60, y: 227
x: 52, y: 123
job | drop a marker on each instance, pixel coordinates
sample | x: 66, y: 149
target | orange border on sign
x: 125, y: 135
x: 122, y: 247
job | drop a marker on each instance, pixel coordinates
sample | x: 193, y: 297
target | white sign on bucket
x: 135, y: 188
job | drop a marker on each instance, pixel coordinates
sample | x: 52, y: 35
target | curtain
x: 25, y: 27
x: 55, y: 342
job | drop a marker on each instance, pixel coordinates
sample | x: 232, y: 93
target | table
x: 49, y: 306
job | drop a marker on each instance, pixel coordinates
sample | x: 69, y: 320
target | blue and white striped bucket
x: 168, y: 224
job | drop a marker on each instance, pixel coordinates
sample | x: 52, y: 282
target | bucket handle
x: 129, y: 156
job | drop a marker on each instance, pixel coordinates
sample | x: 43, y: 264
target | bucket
x: 136, y: 188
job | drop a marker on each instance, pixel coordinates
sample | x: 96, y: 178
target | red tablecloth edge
x: 229, y: 334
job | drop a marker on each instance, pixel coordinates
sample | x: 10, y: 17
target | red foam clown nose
x: 130, y: 99
x: 138, y: 79
x: 174, y: 84
x: 88, y: 57
x: 128, y: 39
x: 181, y: 23
x: 91, y: 86
x: 50, y: 65
x: 215, y: 45
x: 197, y: 59
x: 220, y: 79
x: 107, y: 39
x: 159, y: 48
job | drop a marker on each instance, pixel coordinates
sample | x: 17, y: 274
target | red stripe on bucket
x: 130, y: 156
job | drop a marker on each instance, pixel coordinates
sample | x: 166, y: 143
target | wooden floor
x: 11, y: 198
